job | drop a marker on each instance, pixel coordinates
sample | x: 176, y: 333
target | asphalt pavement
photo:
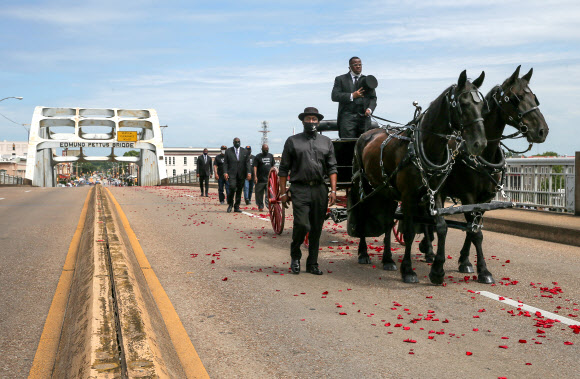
x: 247, y: 316
x: 36, y: 228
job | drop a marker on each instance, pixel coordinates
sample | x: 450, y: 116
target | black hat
x: 310, y: 111
x: 369, y: 82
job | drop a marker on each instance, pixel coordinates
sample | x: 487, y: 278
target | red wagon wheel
x: 275, y: 207
x: 398, y: 233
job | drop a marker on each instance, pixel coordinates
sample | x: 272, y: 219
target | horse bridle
x: 453, y: 102
x: 505, y: 99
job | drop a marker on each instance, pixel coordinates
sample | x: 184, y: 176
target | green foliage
x: 549, y: 154
x: 131, y: 153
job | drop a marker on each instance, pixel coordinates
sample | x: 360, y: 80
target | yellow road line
x: 190, y: 361
x: 48, y: 346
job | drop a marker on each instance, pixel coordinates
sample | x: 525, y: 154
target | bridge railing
x: 186, y: 178
x: 541, y: 183
x: 10, y: 179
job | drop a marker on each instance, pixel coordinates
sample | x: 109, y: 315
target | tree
x: 132, y: 153
x: 549, y: 154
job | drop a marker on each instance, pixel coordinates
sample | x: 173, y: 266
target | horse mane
x: 435, y: 104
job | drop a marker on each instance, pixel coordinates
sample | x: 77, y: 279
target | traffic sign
x: 127, y: 136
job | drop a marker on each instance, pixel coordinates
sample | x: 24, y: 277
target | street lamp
x: 12, y: 97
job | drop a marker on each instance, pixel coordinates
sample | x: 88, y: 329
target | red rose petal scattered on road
x: 503, y: 346
x: 224, y: 279
x: 568, y: 343
x: 325, y: 293
x: 469, y: 353
x: 528, y: 364
x: 408, y: 340
x: 342, y: 313
x: 523, y: 341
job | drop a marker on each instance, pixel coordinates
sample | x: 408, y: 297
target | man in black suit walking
x: 204, y: 171
x: 236, y: 169
x: 355, y: 103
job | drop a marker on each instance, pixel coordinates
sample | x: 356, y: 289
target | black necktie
x: 356, y: 83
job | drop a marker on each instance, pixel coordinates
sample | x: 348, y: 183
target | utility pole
x: 265, y: 130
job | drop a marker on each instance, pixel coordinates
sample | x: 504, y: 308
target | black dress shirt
x: 307, y: 158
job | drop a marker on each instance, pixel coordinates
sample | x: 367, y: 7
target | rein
x: 427, y: 169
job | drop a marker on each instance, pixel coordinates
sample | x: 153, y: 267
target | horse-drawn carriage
x: 404, y: 174
x: 343, y: 149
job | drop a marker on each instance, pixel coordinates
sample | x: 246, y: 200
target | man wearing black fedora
x: 308, y: 158
x: 356, y: 98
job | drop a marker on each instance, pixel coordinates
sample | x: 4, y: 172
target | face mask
x: 223, y: 151
x: 236, y: 144
x: 310, y: 127
x: 265, y: 151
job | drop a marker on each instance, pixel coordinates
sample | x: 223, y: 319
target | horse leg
x: 465, y: 265
x: 388, y: 262
x: 363, y: 255
x: 483, y: 275
x: 437, y: 274
x: 409, y: 276
x: 426, y: 244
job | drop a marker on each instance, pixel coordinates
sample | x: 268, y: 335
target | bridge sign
x: 127, y: 136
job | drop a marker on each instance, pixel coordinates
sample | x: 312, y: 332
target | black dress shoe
x: 238, y: 210
x: 313, y: 270
x: 222, y: 202
x: 295, y: 266
x: 229, y: 208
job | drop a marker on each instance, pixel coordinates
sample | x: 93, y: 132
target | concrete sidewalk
x: 547, y: 226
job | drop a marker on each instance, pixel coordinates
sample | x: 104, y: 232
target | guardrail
x: 541, y: 183
x: 10, y: 179
x: 188, y: 178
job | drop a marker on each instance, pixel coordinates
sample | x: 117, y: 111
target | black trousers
x: 352, y: 125
x: 204, y: 179
x: 236, y: 189
x: 261, y: 188
x: 309, y: 205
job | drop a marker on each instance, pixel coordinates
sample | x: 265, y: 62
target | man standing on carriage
x: 356, y: 100
x: 308, y: 157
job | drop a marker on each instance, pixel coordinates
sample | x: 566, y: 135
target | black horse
x: 409, y: 166
x: 477, y: 180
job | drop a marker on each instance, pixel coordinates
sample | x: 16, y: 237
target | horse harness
x: 416, y: 155
x: 500, y: 98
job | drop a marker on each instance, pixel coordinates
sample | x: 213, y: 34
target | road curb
x: 549, y: 233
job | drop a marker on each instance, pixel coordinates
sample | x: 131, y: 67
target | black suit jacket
x: 341, y: 91
x: 203, y: 168
x: 237, y: 168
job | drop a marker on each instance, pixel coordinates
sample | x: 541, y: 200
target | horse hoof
x: 410, y: 278
x: 436, y: 279
x: 429, y: 258
x: 390, y: 267
x: 364, y: 260
x: 466, y: 269
x: 485, y: 279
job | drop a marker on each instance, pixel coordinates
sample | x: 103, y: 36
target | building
x: 13, y: 148
x: 181, y: 160
x: 13, y: 157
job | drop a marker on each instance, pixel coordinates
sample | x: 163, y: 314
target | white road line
x: 2, y: 198
x: 529, y: 308
x: 253, y: 215
x: 28, y: 191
